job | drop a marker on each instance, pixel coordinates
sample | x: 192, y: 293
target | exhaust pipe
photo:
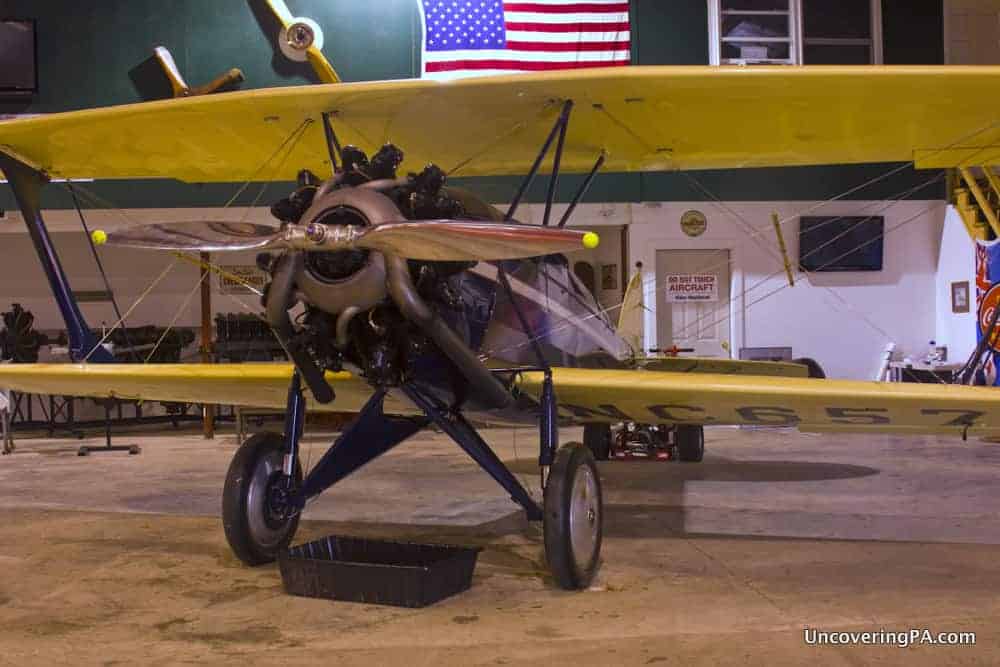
x: 404, y: 293
x: 279, y: 300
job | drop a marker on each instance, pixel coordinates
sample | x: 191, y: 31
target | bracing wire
x: 604, y: 311
x: 177, y: 314
x: 128, y: 312
x: 290, y: 142
x: 897, y: 199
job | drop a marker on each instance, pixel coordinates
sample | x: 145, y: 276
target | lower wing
x: 643, y: 396
x: 656, y: 397
x: 263, y: 385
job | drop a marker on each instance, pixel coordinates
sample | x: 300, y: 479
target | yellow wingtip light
x: 591, y: 240
x: 99, y: 237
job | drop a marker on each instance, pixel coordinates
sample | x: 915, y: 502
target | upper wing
x: 261, y: 385
x: 646, y: 118
x: 652, y: 397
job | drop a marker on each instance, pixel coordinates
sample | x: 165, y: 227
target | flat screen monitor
x: 18, y: 63
x: 841, y: 243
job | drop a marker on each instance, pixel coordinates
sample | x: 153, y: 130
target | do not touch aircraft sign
x: 687, y: 287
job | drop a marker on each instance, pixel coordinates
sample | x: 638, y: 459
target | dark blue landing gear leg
x: 369, y: 436
x: 463, y: 433
x: 264, y: 491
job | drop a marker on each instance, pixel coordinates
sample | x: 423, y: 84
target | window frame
x: 797, y: 37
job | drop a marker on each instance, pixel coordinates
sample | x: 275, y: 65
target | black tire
x: 815, y: 370
x: 690, y: 443
x: 253, y: 533
x: 574, y: 517
x: 597, y: 438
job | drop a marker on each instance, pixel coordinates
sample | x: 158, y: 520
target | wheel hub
x: 268, y: 506
x: 583, y: 516
x: 277, y: 503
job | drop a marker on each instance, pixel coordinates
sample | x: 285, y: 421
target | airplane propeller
x: 427, y: 240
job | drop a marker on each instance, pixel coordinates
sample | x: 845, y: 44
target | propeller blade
x: 428, y: 240
x: 280, y: 11
x: 213, y: 236
x: 460, y: 241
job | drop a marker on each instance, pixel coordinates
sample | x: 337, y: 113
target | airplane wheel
x: 597, y: 438
x: 257, y: 519
x: 574, y: 517
x: 815, y: 370
x: 690, y: 443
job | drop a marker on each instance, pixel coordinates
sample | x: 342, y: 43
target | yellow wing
x: 646, y: 118
x: 262, y: 385
x: 653, y: 397
x: 643, y: 396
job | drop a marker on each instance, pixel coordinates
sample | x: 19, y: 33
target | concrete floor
x: 114, y: 559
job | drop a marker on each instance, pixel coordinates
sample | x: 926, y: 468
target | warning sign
x: 687, y: 287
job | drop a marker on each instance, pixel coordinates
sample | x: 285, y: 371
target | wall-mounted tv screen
x: 841, y: 243
x: 18, y: 67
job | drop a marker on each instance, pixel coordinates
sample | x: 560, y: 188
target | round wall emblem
x: 694, y: 223
x: 990, y: 302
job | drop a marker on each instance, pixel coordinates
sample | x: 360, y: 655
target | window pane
x: 751, y: 51
x: 756, y: 5
x: 830, y: 54
x: 837, y: 18
x: 745, y: 25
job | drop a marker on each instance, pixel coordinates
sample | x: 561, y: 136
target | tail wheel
x: 597, y: 438
x: 258, y: 519
x: 574, y: 517
x: 690, y: 443
x: 815, y: 370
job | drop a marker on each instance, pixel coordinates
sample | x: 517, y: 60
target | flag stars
x: 464, y: 24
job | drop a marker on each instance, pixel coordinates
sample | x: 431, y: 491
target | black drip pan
x: 355, y: 569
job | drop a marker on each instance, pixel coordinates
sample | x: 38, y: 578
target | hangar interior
x: 774, y: 532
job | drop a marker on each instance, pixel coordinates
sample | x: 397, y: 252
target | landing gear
x: 257, y: 515
x: 690, y: 442
x: 261, y: 501
x: 598, y: 439
x: 573, y: 523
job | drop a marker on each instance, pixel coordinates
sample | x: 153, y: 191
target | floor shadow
x: 635, y: 474
x: 664, y: 521
x: 740, y: 471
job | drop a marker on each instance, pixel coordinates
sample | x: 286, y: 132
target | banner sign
x: 237, y: 277
x: 987, y: 301
x: 688, y: 287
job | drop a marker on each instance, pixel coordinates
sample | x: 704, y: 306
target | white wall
x: 956, y: 263
x: 826, y: 318
x: 843, y: 320
x: 130, y: 272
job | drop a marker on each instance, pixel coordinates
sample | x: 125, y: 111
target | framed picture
x: 960, y: 297
x: 609, y: 276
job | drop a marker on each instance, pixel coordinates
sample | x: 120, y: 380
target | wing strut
x: 583, y: 189
x: 27, y: 184
x: 559, y: 128
x: 332, y: 143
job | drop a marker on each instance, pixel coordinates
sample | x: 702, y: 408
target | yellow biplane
x: 418, y: 304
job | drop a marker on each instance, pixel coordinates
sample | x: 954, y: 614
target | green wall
x: 92, y: 54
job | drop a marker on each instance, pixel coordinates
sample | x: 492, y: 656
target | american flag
x: 479, y: 37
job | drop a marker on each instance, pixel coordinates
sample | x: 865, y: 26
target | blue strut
x: 27, y: 184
